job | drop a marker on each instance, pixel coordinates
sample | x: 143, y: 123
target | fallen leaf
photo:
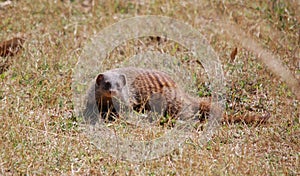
x: 11, y: 47
x: 233, y: 54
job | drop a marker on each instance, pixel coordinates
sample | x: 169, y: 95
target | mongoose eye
x: 107, y: 85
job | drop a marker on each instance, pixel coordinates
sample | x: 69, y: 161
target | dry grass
x: 40, y: 134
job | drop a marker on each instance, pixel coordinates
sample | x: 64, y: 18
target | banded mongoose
x: 147, y: 89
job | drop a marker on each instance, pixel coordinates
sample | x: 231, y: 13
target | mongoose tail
x: 205, y: 107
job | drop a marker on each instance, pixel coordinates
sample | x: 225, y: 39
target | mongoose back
x: 147, y: 89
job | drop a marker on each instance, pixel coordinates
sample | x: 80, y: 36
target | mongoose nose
x: 113, y: 92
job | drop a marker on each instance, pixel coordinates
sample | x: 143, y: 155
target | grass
x: 40, y: 133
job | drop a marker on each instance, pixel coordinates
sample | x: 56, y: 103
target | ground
x: 41, y: 134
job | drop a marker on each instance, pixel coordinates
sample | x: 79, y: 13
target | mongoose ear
x: 99, y: 79
x: 123, y: 80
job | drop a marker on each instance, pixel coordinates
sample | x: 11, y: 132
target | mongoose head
x: 110, y: 84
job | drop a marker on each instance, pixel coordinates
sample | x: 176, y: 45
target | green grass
x: 40, y: 133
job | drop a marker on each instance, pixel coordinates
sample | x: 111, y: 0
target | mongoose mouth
x: 113, y: 93
x: 110, y: 94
